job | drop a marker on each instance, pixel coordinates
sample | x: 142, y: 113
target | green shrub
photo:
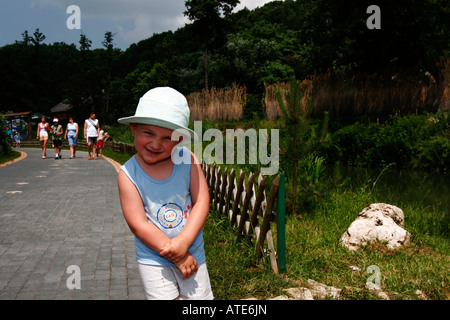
x: 355, y: 144
x: 434, y: 155
x: 413, y: 141
x: 5, y: 141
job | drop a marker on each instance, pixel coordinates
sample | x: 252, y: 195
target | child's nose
x: 155, y: 144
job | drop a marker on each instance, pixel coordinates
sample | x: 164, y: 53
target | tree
x: 300, y: 137
x: 207, y: 17
x: 108, y: 43
x: 85, y: 43
x: 38, y: 37
x: 255, y: 62
x: 26, y: 39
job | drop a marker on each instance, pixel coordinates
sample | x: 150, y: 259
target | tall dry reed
x: 218, y: 104
x: 370, y: 94
x: 272, y: 109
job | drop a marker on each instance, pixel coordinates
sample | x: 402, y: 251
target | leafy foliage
x: 415, y: 141
x: 271, y: 43
x: 5, y: 141
x: 299, y: 139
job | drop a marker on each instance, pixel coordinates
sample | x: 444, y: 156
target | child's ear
x: 133, y: 128
x: 177, y: 136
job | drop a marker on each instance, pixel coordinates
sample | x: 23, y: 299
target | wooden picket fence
x: 250, y: 212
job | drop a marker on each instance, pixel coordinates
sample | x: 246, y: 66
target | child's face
x: 153, y: 144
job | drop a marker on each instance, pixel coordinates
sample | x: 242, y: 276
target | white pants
x: 167, y: 283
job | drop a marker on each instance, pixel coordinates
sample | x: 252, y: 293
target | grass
x: 9, y: 156
x: 314, y: 252
x: 233, y: 272
x: 422, y: 265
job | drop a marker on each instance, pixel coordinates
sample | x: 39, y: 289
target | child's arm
x: 177, y: 248
x: 134, y: 214
x: 188, y: 266
x: 149, y: 234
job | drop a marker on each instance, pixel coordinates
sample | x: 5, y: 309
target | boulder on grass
x: 379, y: 222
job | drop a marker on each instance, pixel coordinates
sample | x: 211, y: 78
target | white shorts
x: 167, y: 283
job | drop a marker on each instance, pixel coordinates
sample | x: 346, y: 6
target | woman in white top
x: 91, y: 131
x: 42, y: 134
x: 72, y: 135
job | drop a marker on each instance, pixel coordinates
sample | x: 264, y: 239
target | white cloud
x: 146, y: 16
x: 251, y: 4
x: 142, y: 29
x: 146, y: 25
x: 120, y: 9
x: 134, y: 20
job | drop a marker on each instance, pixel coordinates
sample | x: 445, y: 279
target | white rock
x: 300, y: 293
x: 321, y: 291
x: 377, y: 222
x: 282, y: 297
x: 354, y: 268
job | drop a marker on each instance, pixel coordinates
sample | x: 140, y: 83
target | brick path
x: 60, y: 213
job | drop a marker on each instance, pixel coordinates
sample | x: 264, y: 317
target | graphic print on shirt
x: 170, y: 215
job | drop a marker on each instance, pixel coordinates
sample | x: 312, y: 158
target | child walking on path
x: 165, y: 202
x: 17, y: 139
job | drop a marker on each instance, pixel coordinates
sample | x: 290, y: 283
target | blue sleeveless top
x: 167, y: 204
x: 71, y: 129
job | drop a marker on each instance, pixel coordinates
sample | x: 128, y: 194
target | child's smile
x: 153, y: 144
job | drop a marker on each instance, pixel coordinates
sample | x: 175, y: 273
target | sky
x: 129, y: 20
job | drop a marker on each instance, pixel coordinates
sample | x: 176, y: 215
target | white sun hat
x: 164, y: 107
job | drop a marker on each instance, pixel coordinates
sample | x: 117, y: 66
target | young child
x: 102, y: 138
x: 17, y: 139
x: 165, y: 203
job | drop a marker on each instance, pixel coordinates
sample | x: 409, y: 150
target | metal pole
x: 281, y: 225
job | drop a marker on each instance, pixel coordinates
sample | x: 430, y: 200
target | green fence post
x: 281, y: 226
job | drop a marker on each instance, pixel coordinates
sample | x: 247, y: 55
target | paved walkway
x: 61, y: 219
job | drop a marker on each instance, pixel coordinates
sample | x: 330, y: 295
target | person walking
x: 57, y: 131
x: 42, y: 134
x: 102, y: 138
x: 91, y: 132
x: 72, y: 136
x: 17, y: 139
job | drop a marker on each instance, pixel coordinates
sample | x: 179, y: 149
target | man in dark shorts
x: 56, y: 131
x: 91, y: 131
